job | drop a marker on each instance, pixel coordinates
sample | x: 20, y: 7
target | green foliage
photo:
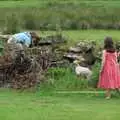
x: 12, y: 24
x: 29, y: 21
x: 1, y: 48
x: 95, y: 76
x: 67, y: 14
x: 64, y: 79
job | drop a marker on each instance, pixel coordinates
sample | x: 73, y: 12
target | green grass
x: 40, y: 3
x: 74, y: 36
x: 70, y: 14
x: 64, y: 79
x: 92, y: 34
x: 38, y: 106
x: 14, y: 4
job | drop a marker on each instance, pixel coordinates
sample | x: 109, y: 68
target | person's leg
x: 108, y: 94
x: 118, y: 90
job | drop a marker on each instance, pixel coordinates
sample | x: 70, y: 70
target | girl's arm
x: 118, y: 54
x: 103, y: 60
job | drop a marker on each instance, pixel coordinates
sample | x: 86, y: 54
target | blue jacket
x: 24, y: 38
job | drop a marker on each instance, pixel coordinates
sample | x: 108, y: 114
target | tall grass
x: 67, y: 13
x: 64, y: 79
x: 95, y: 75
x: 11, y: 24
x: 1, y: 48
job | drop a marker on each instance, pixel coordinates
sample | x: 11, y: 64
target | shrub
x: 85, y: 25
x: 29, y: 21
x: 12, y: 24
x: 95, y: 76
x: 64, y: 79
x: 68, y: 15
x: 1, y: 48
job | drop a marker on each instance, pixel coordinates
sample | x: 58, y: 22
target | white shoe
x: 108, y: 97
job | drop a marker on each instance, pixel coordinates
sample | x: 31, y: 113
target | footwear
x: 108, y: 97
x: 108, y: 94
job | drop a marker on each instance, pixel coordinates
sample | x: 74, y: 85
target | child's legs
x: 118, y: 90
x: 108, y: 93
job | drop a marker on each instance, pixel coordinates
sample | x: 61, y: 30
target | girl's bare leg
x: 108, y: 94
x: 118, y: 90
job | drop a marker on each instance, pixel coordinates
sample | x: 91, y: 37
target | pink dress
x: 110, y: 76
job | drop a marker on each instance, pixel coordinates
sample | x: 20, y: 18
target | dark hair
x: 109, y: 45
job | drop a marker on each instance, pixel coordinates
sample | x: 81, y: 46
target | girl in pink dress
x: 109, y: 75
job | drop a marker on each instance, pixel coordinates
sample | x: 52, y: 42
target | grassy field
x: 67, y: 13
x: 74, y: 36
x: 40, y: 3
x: 78, y: 14
x: 36, y: 106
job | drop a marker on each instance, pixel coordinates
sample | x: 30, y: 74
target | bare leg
x: 108, y: 94
x: 118, y: 90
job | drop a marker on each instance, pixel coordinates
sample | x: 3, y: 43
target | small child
x: 109, y: 75
x: 19, y: 41
x: 24, y: 38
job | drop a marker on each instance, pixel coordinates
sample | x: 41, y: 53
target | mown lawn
x: 38, y: 106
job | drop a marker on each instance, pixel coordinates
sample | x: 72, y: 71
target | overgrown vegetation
x: 95, y: 75
x: 11, y: 24
x: 66, y: 79
x: 63, y: 79
x: 1, y: 48
x: 68, y: 14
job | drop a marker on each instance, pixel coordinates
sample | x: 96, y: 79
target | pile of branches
x: 27, y: 70
x: 5, y: 65
x: 23, y: 81
x: 20, y: 73
x: 25, y: 73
